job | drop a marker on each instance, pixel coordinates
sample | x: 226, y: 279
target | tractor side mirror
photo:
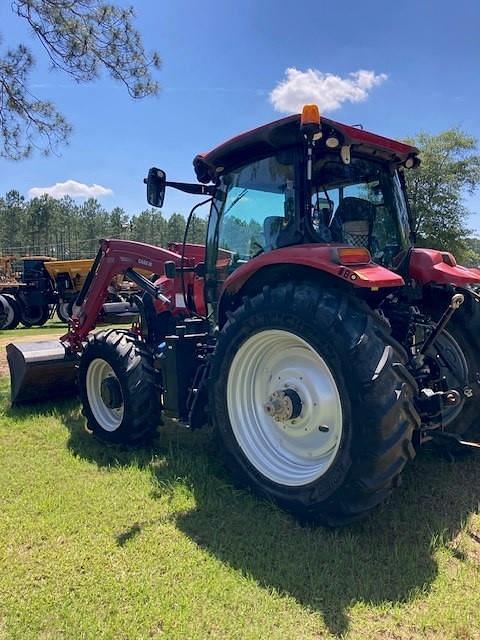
x: 155, y: 181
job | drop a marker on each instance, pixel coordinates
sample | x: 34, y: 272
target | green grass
x: 104, y: 542
x: 51, y: 326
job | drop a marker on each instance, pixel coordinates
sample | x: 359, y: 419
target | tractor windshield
x: 253, y: 211
x: 361, y: 204
x: 256, y: 204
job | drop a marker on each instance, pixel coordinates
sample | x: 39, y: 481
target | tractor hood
x: 283, y: 133
x: 429, y: 266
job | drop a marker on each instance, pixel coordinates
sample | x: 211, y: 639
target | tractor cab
x: 303, y: 182
x: 267, y: 204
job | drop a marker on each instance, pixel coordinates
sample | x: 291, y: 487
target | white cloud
x: 71, y: 188
x: 325, y: 89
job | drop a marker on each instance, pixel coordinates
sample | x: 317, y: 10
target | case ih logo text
x: 146, y: 263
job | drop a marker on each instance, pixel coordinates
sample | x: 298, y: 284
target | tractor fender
x: 429, y: 266
x: 315, y: 260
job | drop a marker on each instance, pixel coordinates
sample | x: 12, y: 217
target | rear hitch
x: 445, y: 438
x: 431, y: 403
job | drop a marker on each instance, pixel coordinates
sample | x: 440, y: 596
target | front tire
x: 119, y: 388
x: 335, y: 448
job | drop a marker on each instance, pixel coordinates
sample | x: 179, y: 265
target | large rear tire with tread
x: 119, y: 388
x: 328, y: 353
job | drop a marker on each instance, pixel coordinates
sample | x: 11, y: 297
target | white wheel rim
x: 295, y: 451
x: 108, y: 418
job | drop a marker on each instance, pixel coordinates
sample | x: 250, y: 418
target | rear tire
x: 466, y: 331
x: 119, y: 388
x: 9, y: 312
x: 34, y: 315
x: 464, y: 327
x: 363, y: 372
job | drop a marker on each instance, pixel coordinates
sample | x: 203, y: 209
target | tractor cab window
x: 360, y: 204
x: 252, y: 212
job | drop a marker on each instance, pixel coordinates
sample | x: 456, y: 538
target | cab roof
x: 271, y: 137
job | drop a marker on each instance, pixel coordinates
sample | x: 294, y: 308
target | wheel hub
x: 284, y: 405
x: 111, y: 392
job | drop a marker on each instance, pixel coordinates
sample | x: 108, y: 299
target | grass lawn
x: 104, y: 542
x: 51, y: 326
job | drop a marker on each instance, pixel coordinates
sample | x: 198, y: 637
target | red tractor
x: 321, y: 344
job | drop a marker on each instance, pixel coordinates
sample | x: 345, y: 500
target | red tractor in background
x: 322, y: 345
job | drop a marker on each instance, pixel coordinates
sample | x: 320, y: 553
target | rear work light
x: 353, y: 255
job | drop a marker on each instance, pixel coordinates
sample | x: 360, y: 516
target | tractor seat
x: 356, y: 217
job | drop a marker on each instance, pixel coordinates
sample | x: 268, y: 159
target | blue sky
x: 222, y: 60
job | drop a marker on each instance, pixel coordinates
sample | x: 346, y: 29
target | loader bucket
x: 40, y: 371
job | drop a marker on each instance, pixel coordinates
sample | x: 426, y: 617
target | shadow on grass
x: 388, y: 558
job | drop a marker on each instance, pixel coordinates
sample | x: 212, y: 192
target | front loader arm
x: 113, y: 257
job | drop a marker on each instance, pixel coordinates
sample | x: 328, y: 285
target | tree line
x: 65, y: 229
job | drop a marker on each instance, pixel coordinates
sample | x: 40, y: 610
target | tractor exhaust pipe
x: 40, y: 371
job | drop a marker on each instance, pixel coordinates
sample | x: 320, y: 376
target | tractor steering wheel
x: 260, y: 248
